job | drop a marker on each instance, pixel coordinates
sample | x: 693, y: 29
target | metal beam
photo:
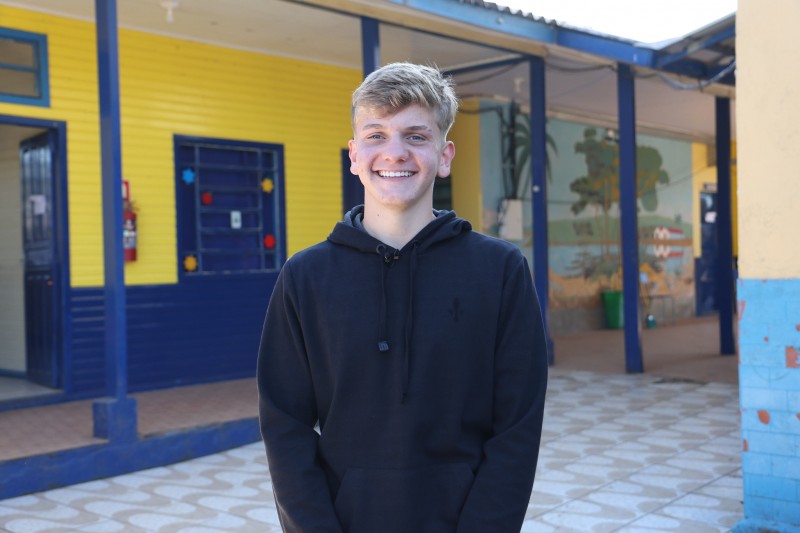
x: 480, y: 16
x: 114, y: 417
x: 538, y: 30
x: 664, y: 59
x: 605, y: 47
x: 538, y: 127
x: 484, y: 66
x: 629, y: 226
x: 370, y: 45
x: 725, y: 281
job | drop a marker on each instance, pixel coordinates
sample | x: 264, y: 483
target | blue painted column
x: 725, y: 287
x: 114, y: 416
x: 629, y: 225
x: 538, y: 127
x: 370, y: 45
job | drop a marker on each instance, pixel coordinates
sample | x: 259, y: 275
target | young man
x: 415, y: 344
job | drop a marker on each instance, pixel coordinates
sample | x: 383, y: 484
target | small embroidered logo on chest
x: 456, y: 311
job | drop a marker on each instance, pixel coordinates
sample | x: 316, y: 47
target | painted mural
x: 583, y: 214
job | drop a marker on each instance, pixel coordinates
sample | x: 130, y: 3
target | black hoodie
x: 425, y: 369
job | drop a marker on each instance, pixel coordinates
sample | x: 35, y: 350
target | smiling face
x: 398, y: 157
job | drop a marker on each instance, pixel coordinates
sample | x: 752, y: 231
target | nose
x: 395, y: 149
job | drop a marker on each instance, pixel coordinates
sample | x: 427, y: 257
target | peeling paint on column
x: 792, y: 357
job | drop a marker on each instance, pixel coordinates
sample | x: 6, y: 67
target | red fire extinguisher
x: 129, y: 233
x: 128, y: 224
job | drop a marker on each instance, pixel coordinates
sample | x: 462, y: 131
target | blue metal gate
x: 41, y: 276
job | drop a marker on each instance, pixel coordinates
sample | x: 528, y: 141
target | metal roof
x: 707, y: 55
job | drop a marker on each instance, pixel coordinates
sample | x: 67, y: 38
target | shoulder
x: 317, y: 253
x: 309, y: 260
x: 492, y: 246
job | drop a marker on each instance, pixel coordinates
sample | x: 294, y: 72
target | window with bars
x: 230, y: 206
x: 23, y: 68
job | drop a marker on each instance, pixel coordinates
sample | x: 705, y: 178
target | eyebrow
x: 381, y: 126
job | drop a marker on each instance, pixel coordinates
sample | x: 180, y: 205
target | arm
x: 500, y: 494
x: 287, y: 411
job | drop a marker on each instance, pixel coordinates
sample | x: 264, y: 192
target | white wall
x: 12, y: 290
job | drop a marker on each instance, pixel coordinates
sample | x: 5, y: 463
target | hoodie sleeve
x: 287, y: 412
x: 501, y: 491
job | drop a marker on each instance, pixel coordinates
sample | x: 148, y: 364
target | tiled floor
x: 633, y: 453
x: 38, y: 430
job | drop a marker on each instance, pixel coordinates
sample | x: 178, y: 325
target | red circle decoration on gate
x: 206, y: 198
x: 269, y: 241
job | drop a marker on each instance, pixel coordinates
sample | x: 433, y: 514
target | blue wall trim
x: 194, y: 332
x: 58, y: 469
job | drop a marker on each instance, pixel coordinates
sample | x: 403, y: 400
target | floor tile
x: 619, y: 453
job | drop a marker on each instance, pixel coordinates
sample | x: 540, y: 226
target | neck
x: 396, y: 228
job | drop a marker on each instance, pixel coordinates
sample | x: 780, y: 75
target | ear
x: 351, y: 144
x: 446, y: 156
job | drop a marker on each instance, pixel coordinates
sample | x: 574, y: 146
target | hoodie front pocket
x: 425, y: 500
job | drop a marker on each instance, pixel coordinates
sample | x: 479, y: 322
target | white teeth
x: 387, y: 174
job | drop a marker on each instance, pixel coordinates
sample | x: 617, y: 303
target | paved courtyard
x: 632, y: 453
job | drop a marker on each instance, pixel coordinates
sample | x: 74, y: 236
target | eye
x: 416, y: 138
x: 374, y: 136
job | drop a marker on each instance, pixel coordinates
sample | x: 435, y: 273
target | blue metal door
x: 41, y: 276
x: 706, y: 265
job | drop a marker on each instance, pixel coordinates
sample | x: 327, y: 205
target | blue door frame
x: 53, y: 367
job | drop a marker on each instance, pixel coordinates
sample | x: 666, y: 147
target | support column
x: 629, y: 225
x: 538, y: 127
x: 370, y: 45
x: 725, y: 287
x: 114, y: 416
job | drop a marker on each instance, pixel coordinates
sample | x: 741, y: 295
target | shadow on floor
x: 686, y: 350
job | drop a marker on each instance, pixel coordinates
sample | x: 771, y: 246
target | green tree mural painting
x: 522, y: 146
x: 599, y: 188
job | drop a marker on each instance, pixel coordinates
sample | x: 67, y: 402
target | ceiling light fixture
x: 170, y: 6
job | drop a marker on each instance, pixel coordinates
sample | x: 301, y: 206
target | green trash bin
x: 612, y: 305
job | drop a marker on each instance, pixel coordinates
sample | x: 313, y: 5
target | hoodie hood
x: 350, y: 232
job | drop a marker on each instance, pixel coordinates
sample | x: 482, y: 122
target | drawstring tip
x: 383, y: 346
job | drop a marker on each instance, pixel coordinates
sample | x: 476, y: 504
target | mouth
x: 395, y: 174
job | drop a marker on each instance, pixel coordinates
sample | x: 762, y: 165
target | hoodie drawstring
x: 383, y: 344
x: 409, y: 321
x: 388, y: 257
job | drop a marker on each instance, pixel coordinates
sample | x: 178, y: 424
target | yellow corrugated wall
x: 170, y: 86
x: 466, y: 166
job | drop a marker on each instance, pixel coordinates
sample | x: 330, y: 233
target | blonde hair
x: 396, y: 86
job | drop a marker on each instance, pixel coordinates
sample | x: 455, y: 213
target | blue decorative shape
x: 187, y: 176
